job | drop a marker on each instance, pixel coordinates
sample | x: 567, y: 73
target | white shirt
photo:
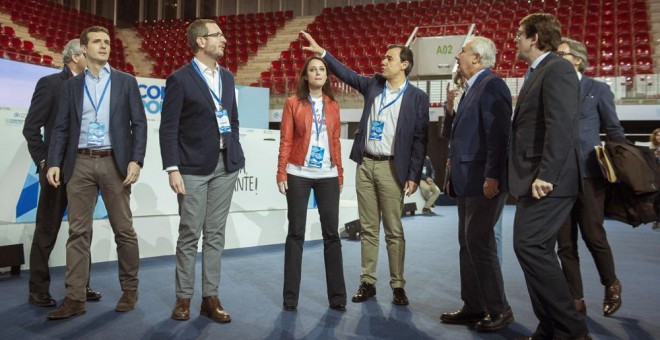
x: 212, y: 77
x: 389, y: 116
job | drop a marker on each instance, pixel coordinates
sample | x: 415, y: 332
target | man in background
x: 427, y: 186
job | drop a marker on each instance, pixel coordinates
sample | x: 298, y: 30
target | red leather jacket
x: 295, y: 132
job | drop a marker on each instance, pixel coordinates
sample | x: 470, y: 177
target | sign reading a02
x: 444, y: 49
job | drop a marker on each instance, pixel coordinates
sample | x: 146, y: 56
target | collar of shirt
x: 538, y: 60
x: 207, y: 70
x: 472, y: 79
x: 579, y: 76
x: 104, y: 70
x: 392, y: 90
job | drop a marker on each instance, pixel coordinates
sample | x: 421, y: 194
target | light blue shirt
x: 95, y: 85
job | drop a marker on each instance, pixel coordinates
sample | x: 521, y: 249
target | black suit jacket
x: 544, y: 135
x: 189, y: 134
x: 480, y: 136
x: 412, y: 124
x: 42, y: 113
x: 127, y: 127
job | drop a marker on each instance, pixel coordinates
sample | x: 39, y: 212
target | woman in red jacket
x: 310, y: 158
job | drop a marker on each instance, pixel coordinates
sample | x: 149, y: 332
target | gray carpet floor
x: 251, y: 290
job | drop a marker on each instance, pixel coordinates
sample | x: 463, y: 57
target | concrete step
x: 134, y: 54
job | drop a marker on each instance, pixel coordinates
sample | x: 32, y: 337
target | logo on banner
x: 152, y: 97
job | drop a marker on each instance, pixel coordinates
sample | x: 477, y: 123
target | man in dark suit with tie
x: 478, y: 180
x: 52, y: 201
x: 389, y: 148
x: 201, y: 152
x: 597, y: 112
x: 98, y: 143
x: 544, y: 173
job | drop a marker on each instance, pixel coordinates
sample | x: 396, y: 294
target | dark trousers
x: 326, y: 192
x: 588, y: 215
x: 482, y: 287
x: 90, y: 175
x: 50, y: 211
x: 535, y: 229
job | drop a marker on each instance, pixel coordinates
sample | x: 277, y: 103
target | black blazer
x: 127, y: 127
x: 544, y: 132
x: 412, y: 125
x: 189, y: 134
x: 42, y: 113
x: 480, y: 136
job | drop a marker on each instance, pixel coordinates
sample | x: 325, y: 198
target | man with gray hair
x: 52, y: 201
x: 478, y: 180
x: 597, y: 112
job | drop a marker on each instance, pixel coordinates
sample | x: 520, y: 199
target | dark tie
x: 528, y: 73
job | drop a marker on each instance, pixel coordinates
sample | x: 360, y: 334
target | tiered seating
x: 12, y: 47
x: 165, y: 40
x: 58, y: 24
x: 616, y: 33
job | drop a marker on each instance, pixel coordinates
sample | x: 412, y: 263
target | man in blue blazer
x: 98, y: 143
x: 478, y: 179
x: 201, y: 152
x: 52, y: 201
x: 544, y: 173
x: 389, y: 148
x: 597, y: 112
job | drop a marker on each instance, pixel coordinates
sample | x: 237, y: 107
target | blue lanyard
x: 96, y: 106
x: 382, y: 98
x: 317, y: 123
x: 215, y: 96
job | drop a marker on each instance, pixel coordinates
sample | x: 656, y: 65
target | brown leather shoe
x: 580, y: 306
x: 92, y: 295
x: 181, y: 309
x: 612, y: 300
x: 67, y: 309
x: 127, y: 301
x: 365, y: 291
x: 212, y: 308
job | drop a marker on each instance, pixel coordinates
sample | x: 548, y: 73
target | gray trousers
x: 204, y: 207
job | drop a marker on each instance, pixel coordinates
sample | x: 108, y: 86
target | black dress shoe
x: 462, y: 317
x: 289, y: 308
x: 338, y: 306
x: 612, y: 300
x: 366, y: 291
x: 400, y: 297
x: 41, y: 299
x: 495, y: 322
x: 92, y: 295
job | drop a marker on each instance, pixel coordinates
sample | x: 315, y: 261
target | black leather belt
x: 95, y: 153
x: 378, y: 158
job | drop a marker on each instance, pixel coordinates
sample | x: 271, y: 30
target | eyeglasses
x: 215, y: 35
x: 562, y: 53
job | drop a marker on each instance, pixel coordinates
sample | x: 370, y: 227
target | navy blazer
x: 597, y: 112
x: 412, y: 124
x: 544, y: 131
x: 42, y: 113
x: 127, y: 127
x: 189, y: 134
x: 480, y: 136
